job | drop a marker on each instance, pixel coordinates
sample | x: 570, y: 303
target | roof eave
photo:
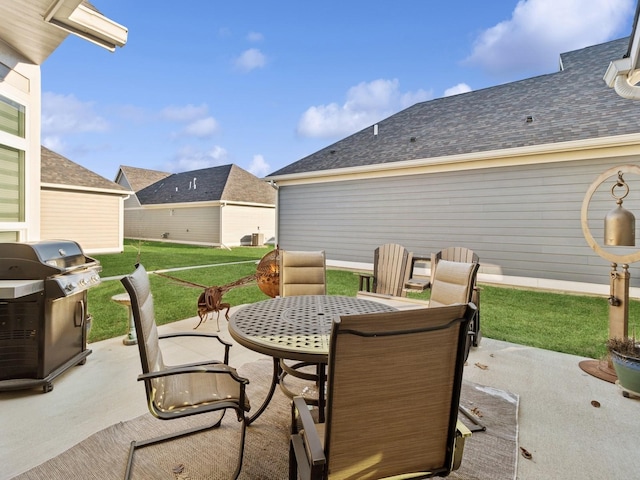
x: 87, y: 24
x: 513, y: 155
x: 110, y: 191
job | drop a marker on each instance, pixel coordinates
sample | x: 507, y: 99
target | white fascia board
x: 210, y: 203
x: 546, y: 153
x: 247, y: 204
x: 88, y: 24
x: 80, y: 188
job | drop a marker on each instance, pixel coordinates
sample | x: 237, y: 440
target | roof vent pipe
x: 375, y: 130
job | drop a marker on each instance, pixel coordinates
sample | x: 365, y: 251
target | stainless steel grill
x: 43, y: 311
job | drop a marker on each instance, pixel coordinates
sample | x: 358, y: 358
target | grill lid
x: 42, y: 259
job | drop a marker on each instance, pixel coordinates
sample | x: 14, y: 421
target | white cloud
x: 255, y: 37
x: 55, y: 143
x: 457, y: 89
x: 65, y: 114
x: 250, y: 60
x: 259, y: 167
x: 366, y: 104
x: 201, y: 128
x: 184, y: 113
x: 539, y: 30
x: 189, y: 158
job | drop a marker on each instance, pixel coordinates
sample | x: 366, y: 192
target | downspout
x: 222, y: 205
x: 277, y: 189
x: 626, y: 87
x: 623, y: 79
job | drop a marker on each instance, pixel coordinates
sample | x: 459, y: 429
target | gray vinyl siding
x: 522, y: 221
x: 91, y: 219
x: 191, y: 224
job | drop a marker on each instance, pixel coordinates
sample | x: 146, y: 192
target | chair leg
x: 135, y: 444
x: 477, y: 335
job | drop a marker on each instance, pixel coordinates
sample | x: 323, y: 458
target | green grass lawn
x: 576, y: 324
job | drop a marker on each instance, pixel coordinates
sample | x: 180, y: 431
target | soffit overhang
x: 35, y: 28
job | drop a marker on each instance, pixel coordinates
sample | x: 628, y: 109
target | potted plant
x: 625, y: 356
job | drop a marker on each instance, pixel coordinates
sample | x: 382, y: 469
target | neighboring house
x: 30, y: 31
x: 78, y: 204
x: 218, y: 206
x: 502, y: 170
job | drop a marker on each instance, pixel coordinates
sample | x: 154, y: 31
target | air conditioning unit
x: 257, y: 239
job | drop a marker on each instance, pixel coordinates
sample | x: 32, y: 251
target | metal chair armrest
x: 218, y: 368
x: 312, y: 448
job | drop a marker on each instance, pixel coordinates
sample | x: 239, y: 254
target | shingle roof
x: 571, y: 104
x: 224, y: 183
x: 140, y: 178
x: 56, y: 169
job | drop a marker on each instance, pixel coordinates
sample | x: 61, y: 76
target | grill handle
x: 79, y: 322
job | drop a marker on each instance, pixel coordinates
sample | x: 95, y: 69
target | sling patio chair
x: 397, y: 417
x: 391, y: 270
x: 465, y: 255
x: 182, y: 390
x: 302, y: 273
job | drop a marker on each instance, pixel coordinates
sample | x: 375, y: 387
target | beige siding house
x: 80, y: 205
x: 219, y: 206
x: 503, y: 171
x: 30, y: 31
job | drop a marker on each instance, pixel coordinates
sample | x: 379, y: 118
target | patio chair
x: 462, y: 254
x: 391, y: 270
x: 302, y: 273
x: 183, y: 390
x: 454, y: 282
x: 392, y: 418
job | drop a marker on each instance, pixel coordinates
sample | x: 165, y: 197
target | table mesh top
x: 298, y: 323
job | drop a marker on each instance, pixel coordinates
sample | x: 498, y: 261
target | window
x: 9, y: 236
x: 12, y: 177
x: 11, y: 185
x: 11, y: 117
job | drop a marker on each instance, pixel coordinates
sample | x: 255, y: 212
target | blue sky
x: 262, y: 84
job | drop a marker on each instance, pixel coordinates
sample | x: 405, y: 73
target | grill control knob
x: 71, y: 286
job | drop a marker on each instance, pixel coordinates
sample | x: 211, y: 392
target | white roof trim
x: 547, y: 153
x: 205, y: 203
x: 61, y: 186
x: 86, y: 23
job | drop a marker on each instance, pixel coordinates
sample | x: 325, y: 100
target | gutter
x: 86, y: 23
x: 544, y: 153
x: 82, y: 188
x: 623, y: 79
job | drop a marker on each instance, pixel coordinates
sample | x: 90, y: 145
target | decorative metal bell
x: 620, y: 223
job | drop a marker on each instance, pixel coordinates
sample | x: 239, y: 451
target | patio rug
x: 490, y: 455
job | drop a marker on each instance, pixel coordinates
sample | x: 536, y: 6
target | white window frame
x: 19, y: 143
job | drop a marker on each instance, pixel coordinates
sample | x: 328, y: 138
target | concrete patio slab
x: 568, y: 437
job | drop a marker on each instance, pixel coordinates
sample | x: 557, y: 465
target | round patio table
x: 295, y: 328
